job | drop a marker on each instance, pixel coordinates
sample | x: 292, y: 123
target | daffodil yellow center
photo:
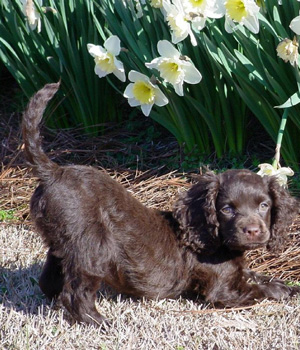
x: 197, y: 3
x: 236, y: 9
x: 170, y: 71
x: 143, y: 92
x: 106, y: 62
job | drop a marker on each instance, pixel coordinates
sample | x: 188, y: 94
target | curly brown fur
x: 97, y: 232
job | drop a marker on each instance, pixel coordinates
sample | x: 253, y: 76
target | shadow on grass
x: 19, y: 289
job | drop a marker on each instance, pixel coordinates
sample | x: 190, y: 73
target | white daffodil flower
x: 178, y: 21
x: 31, y: 13
x: 105, y: 58
x: 295, y: 25
x: 288, y: 50
x: 199, y: 11
x: 156, y: 3
x: 142, y: 92
x: 280, y: 173
x: 208, y: 8
x: 244, y: 12
x: 173, y: 67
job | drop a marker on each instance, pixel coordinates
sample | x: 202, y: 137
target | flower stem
x: 276, y: 163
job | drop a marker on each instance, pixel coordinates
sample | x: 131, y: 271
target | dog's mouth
x: 246, y: 245
x: 254, y: 245
x: 242, y: 243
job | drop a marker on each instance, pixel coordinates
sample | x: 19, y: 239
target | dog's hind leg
x: 51, y: 280
x: 79, y: 297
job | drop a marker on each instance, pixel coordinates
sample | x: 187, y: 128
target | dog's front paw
x: 294, y: 290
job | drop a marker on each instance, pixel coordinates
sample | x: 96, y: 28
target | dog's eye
x: 263, y: 206
x: 227, y: 210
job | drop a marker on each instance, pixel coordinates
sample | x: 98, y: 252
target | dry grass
x: 27, y: 321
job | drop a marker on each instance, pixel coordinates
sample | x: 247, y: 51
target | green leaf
x: 292, y: 101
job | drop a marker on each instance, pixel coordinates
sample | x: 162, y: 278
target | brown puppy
x: 97, y: 232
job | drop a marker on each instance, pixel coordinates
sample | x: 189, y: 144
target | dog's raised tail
x: 41, y: 164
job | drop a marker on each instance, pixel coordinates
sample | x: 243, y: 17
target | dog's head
x: 237, y: 208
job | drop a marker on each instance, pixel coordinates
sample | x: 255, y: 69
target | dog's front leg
x: 260, y: 278
x: 51, y: 280
x: 233, y: 294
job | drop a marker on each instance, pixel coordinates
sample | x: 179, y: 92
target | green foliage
x: 241, y: 73
x: 59, y: 52
x: 204, y: 116
x: 7, y: 215
x: 262, y: 79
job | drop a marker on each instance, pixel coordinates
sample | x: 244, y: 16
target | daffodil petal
x: 199, y: 23
x: 113, y: 45
x: 285, y: 171
x: 95, y: 50
x: 229, y: 25
x: 118, y: 64
x: 166, y: 49
x: 146, y: 109
x: 179, y: 88
x: 295, y: 25
x: 264, y: 166
x: 160, y: 98
x: 282, y: 179
x: 101, y: 73
x: 252, y: 24
x: 135, y: 76
x: 154, y: 63
x: 133, y: 102
x: 191, y: 74
x: 128, y: 93
x: 176, y: 39
x: 120, y: 74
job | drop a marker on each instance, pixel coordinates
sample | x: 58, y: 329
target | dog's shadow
x: 20, y: 291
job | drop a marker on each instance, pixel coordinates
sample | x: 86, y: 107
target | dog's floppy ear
x: 196, y: 213
x: 284, y: 210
